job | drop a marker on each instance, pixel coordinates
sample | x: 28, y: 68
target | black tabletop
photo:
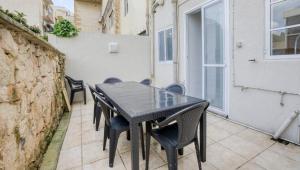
x: 139, y: 102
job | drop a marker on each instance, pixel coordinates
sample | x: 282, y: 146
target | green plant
x: 64, y: 28
x: 17, y: 16
x: 35, y: 29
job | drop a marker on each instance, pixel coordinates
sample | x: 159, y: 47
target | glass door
x: 213, y: 67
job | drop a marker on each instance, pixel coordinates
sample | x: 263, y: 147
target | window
x: 283, y: 28
x: 165, y: 45
x: 125, y: 7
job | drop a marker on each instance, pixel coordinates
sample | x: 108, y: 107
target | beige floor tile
x: 212, y: 118
x: 251, y: 166
x: 189, y: 162
x: 223, y: 158
x: 216, y: 133
x: 70, y: 158
x: 241, y: 146
x: 103, y: 164
x: 229, y: 126
x: 88, y: 125
x: 123, y: 144
x: 291, y: 151
x: 256, y: 137
x: 274, y: 161
x: 162, y: 153
x: 92, y: 135
x: 71, y: 140
x: 87, y: 118
x: 76, y: 113
x: 154, y: 160
x: 92, y: 152
x: 76, y: 106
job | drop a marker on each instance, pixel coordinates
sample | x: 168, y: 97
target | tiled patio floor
x: 229, y: 146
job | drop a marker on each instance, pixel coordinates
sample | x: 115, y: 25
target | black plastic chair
x: 174, y: 136
x: 146, y: 82
x: 97, y: 109
x: 114, y: 126
x: 76, y: 86
x: 176, y: 88
x: 112, y: 80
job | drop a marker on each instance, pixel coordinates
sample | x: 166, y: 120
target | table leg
x: 134, y: 132
x: 203, y: 137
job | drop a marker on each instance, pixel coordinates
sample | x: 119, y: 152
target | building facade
x: 125, y: 17
x: 242, y: 56
x: 87, y: 15
x: 41, y: 16
x: 62, y: 13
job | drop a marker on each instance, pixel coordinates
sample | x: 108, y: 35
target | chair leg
x: 84, y: 95
x: 95, y: 110
x: 98, y: 118
x: 180, y: 151
x: 172, y: 158
x: 142, y: 141
x: 148, y: 138
x: 72, y: 97
x: 128, y: 135
x: 106, y: 129
x: 196, y: 142
x: 113, y: 142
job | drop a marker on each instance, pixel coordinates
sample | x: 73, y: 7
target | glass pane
x: 285, y: 13
x: 161, y: 41
x: 286, y: 41
x: 214, y: 87
x: 213, y: 33
x: 169, y: 44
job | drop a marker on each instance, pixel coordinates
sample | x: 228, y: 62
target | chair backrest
x: 70, y: 80
x: 176, y: 88
x: 105, y: 106
x: 187, y: 120
x: 92, y: 90
x: 112, y: 80
x: 146, y: 82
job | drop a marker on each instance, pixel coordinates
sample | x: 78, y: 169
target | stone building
x: 125, y: 17
x: 87, y: 15
x: 62, y: 13
x: 41, y: 16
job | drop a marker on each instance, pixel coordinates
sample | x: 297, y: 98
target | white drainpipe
x: 285, y: 124
x: 175, y: 42
x: 155, y: 4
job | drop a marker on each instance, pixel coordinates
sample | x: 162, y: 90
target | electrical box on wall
x: 113, y: 47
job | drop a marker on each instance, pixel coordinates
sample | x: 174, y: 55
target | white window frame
x: 165, y: 61
x: 268, y: 40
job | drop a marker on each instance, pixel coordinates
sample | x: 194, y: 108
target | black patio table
x: 139, y: 103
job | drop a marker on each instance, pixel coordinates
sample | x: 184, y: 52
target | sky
x: 69, y: 4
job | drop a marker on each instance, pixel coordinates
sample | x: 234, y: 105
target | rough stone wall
x: 31, y: 101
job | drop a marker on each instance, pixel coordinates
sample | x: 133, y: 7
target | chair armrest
x: 102, y: 99
x: 173, y: 117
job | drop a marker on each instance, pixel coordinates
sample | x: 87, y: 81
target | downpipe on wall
x: 286, y: 124
x: 175, y: 41
x: 155, y: 4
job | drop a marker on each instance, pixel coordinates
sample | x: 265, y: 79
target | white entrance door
x: 213, y: 55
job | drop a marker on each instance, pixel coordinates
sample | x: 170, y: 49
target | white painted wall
x: 252, y: 107
x: 135, y: 21
x: 163, y: 19
x: 33, y: 9
x: 88, y: 58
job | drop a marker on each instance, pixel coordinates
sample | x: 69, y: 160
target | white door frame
x: 227, y: 51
